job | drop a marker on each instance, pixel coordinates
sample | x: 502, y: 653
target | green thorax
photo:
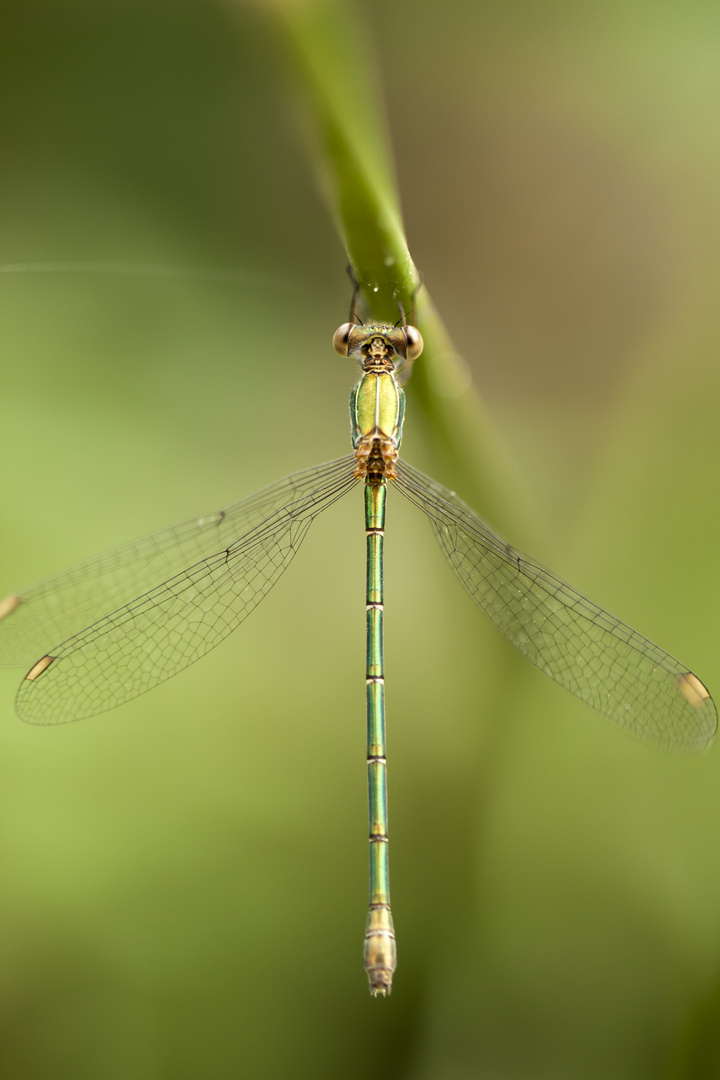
x: 377, y: 407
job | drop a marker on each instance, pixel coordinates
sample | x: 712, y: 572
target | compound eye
x: 414, y: 341
x: 341, y: 338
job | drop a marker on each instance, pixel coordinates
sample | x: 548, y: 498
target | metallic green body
x: 377, y: 408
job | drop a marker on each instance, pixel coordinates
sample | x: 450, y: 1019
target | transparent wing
x: 158, y: 604
x: 597, y: 658
x: 62, y: 605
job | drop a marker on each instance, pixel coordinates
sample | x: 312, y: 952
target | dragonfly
x: 99, y: 634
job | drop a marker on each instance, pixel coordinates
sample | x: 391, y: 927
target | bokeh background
x: 184, y: 880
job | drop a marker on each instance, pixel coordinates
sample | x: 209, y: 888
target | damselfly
x: 107, y: 630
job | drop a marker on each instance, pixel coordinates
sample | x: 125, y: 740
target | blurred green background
x: 184, y: 880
